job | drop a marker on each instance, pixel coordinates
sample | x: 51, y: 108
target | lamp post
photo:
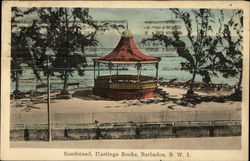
x: 116, y: 69
x: 138, y: 65
x: 98, y: 68
x: 94, y: 69
x: 48, y: 99
x: 156, y: 74
x: 110, y: 68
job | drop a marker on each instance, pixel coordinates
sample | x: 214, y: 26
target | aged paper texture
x: 125, y: 80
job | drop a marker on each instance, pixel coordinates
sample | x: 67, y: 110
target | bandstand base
x: 125, y: 87
x: 125, y: 94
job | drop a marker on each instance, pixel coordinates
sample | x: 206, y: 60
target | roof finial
x: 127, y: 26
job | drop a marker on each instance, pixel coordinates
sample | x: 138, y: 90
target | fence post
x: 211, y: 129
x: 66, y: 134
x: 162, y: 117
x: 48, y: 107
x: 48, y: 102
x: 166, y: 112
x: 92, y: 117
x: 137, y: 132
x: 26, y: 134
x: 174, y: 132
x: 19, y: 114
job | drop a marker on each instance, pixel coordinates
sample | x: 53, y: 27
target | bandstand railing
x: 126, y: 82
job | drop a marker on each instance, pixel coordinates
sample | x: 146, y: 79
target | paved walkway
x: 211, y: 143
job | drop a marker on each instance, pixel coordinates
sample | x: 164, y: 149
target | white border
x: 57, y: 154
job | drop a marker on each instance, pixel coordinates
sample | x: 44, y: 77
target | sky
x: 136, y: 17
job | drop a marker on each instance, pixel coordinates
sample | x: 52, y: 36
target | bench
x: 45, y: 85
x: 74, y: 84
x: 41, y: 86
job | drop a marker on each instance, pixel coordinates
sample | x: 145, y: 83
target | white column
x: 138, y: 70
x: 94, y: 70
x: 157, y: 67
x: 116, y: 69
x: 110, y: 68
x: 98, y: 68
x: 48, y: 101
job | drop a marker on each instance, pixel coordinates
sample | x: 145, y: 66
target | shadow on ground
x: 191, y: 101
x: 86, y: 94
x: 163, y: 97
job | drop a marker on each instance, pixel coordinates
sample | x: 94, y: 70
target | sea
x: 169, y: 66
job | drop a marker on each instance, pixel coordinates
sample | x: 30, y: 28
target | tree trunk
x: 83, y: 49
x: 238, y: 92
x: 191, y: 87
x: 16, y: 92
x: 240, y: 81
x: 17, y: 82
x: 65, y: 83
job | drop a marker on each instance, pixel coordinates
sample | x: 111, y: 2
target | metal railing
x: 123, y: 117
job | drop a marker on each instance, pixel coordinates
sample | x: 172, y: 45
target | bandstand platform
x: 120, y: 86
x: 125, y: 87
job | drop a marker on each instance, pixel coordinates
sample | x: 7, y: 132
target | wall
x: 131, y: 131
x: 116, y: 117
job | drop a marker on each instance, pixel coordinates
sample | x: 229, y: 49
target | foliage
x: 18, y: 45
x: 231, y: 38
x: 158, y: 37
x: 58, y: 39
x: 203, y: 55
x: 20, y: 49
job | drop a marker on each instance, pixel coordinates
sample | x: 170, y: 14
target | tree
x: 20, y: 50
x: 200, y: 57
x: 60, y: 32
x: 203, y: 54
x: 15, y: 47
x: 166, y: 40
x: 231, y: 39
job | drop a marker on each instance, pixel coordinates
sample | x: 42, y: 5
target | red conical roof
x: 126, y: 50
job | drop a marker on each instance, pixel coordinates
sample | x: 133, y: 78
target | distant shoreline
x: 198, y: 86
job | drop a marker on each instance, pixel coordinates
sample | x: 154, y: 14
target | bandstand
x: 120, y: 86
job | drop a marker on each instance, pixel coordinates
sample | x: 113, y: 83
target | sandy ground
x: 94, y: 104
x: 97, y: 104
x: 213, y: 143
